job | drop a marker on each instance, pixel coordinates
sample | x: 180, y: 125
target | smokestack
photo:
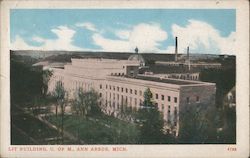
x: 176, y: 49
x: 188, y: 59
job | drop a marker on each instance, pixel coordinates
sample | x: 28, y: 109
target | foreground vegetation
x: 99, y: 129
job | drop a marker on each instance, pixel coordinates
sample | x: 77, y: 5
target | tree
x: 228, y: 132
x: 61, y: 98
x: 150, y: 121
x: 25, y: 83
x: 198, y: 124
x: 224, y: 79
x: 86, y: 103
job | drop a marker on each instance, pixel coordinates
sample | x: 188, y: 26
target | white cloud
x: 145, y: 36
x: 38, y: 39
x: 123, y: 34
x: 88, y: 26
x: 20, y: 44
x: 170, y: 49
x: 202, y: 37
x: 111, y: 45
x: 62, y: 42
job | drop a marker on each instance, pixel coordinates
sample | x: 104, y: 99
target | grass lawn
x: 101, y: 129
x: 25, y: 127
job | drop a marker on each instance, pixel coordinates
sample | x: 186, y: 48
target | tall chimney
x: 176, y: 49
x: 188, y: 58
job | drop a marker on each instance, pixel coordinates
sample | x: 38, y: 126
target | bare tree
x: 61, y: 98
x: 85, y: 104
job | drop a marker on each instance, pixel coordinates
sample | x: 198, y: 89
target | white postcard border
x: 242, y: 82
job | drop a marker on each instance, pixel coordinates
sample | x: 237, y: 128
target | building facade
x: 118, y: 83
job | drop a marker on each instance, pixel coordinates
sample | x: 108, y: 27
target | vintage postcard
x: 124, y: 79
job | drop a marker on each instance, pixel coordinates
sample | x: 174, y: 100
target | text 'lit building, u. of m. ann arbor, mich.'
x: 119, y: 83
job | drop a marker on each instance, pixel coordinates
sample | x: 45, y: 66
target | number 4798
x: 231, y: 149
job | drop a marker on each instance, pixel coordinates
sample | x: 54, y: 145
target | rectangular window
x: 109, y: 87
x: 162, y: 97
x: 197, y: 99
x: 122, y: 89
x: 131, y: 91
x: 122, y: 99
x: 168, y: 115
x: 106, y: 86
x: 140, y: 93
x: 135, y: 92
x: 175, y: 99
x: 162, y: 107
x: 169, y: 98
x: 100, y: 86
x: 114, y: 88
x: 175, y: 110
x: 126, y: 90
x: 156, y: 96
x: 188, y: 100
x: 100, y: 94
x: 118, y: 89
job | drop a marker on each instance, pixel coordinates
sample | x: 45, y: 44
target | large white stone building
x: 118, y: 83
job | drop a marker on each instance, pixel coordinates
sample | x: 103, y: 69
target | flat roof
x: 164, y: 80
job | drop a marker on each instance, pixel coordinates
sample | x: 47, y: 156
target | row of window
x: 197, y: 98
x: 140, y: 102
x: 121, y: 89
x: 129, y: 100
x: 123, y: 99
x: 169, y: 118
x: 162, y: 107
x: 117, y: 74
x: 163, y: 98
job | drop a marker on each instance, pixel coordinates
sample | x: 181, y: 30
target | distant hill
x: 65, y: 56
x: 24, y: 59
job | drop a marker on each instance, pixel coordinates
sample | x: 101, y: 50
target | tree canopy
x: 150, y: 121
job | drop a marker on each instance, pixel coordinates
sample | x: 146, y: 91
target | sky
x: 207, y: 31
